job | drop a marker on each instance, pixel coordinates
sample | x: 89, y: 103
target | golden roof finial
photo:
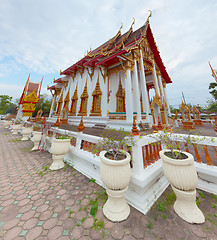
x: 53, y: 79
x: 150, y: 13
x: 133, y: 23
x: 60, y: 71
x: 121, y: 27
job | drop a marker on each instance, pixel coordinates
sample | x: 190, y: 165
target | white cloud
x: 45, y: 36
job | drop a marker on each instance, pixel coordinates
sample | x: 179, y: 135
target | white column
x: 52, y: 105
x: 161, y: 86
x: 155, y: 78
x: 128, y: 97
x: 104, y: 103
x: 165, y: 95
x: 146, y: 105
x: 137, y: 94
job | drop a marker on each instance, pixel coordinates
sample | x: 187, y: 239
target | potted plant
x: 59, y: 147
x: 179, y: 169
x: 26, y: 131
x: 115, y: 172
x: 37, y: 133
x: 16, y: 126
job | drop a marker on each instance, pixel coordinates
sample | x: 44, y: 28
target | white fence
x: 147, y: 182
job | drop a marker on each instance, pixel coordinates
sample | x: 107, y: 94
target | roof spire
x: 150, y: 13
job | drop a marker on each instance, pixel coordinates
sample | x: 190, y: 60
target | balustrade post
x: 137, y: 156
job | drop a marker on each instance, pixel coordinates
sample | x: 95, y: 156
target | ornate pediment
x: 29, y: 107
x: 31, y: 98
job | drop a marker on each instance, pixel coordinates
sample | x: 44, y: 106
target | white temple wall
x: 103, y: 87
x: 90, y: 88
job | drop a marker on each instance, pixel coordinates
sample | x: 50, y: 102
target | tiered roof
x: 109, y: 52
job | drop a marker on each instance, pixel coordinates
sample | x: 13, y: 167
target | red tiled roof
x: 107, y: 53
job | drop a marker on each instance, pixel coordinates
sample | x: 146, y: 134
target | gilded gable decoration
x: 96, y: 105
x: 84, y: 98
x: 120, y: 98
x: 74, y: 102
x: 31, y: 98
x: 60, y: 102
x: 90, y: 72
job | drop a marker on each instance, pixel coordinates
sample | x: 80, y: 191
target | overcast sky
x: 41, y: 37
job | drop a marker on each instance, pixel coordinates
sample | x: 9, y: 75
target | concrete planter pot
x: 16, y: 128
x: 116, y: 175
x: 59, y: 148
x: 36, y: 139
x: 182, y: 175
x: 26, y: 132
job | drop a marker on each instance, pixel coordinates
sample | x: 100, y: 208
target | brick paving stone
x: 128, y: 237
x: 39, y: 202
x: 26, y: 216
x: 88, y: 223
x: 81, y: 214
x: 197, y: 230
x: 30, y: 223
x: 70, y: 223
x: 25, y: 208
x: 12, y: 233
x: 85, y: 238
x: 69, y: 202
x: 23, y: 202
x: 7, y: 202
x: 95, y: 234
x: 178, y: 231
x: 42, y: 208
x: 55, y: 232
x: 11, y: 224
x: 138, y: 231
x: 63, y: 215
x: 212, y: 237
x: 50, y: 223
x: 34, y: 233
x: 117, y: 232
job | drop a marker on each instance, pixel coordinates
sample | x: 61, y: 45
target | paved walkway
x: 36, y: 203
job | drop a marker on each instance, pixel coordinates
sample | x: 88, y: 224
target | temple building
x: 111, y: 84
x: 29, y: 98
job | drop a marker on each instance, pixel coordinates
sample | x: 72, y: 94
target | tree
x: 5, y: 103
x: 212, y: 105
x: 173, y: 110
x: 213, y: 91
x: 44, y: 103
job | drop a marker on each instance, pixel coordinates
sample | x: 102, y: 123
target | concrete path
x: 36, y: 203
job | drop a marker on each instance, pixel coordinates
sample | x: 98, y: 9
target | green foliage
x: 115, y: 142
x: 98, y: 224
x: 213, y: 91
x: 174, y: 142
x: 212, y: 105
x: 92, y: 180
x: 150, y: 225
x: 5, y: 103
x: 201, y: 194
x: 93, y: 210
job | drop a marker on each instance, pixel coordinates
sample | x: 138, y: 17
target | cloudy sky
x: 41, y: 37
